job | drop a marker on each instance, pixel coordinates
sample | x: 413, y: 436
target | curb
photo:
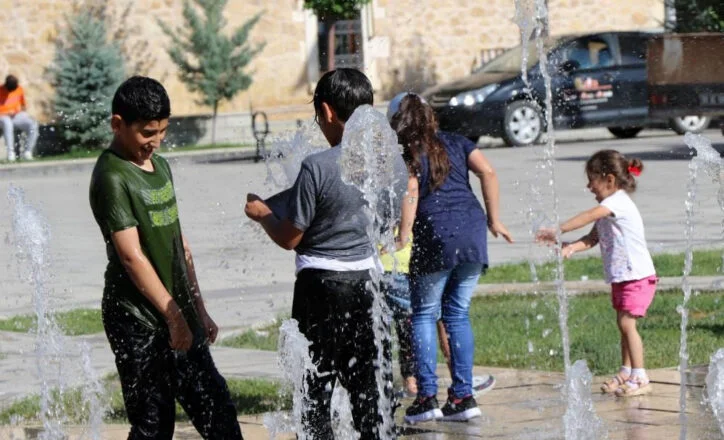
x: 50, y: 167
x: 593, y: 286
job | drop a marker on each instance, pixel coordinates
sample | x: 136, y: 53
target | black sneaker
x: 422, y: 410
x: 460, y: 410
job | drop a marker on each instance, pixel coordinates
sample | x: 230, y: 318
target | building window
x: 340, y: 44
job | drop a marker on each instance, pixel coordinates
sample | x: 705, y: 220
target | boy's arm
x: 491, y: 192
x: 144, y: 276
x: 211, y: 330
x: 409, y: 209
x: 582, y: 244
x: 282, y: 232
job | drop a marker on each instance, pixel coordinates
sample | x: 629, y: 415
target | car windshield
x: 511, y: 60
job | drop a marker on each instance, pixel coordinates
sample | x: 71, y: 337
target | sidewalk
x: 523, y: 405
x: 18, y: 371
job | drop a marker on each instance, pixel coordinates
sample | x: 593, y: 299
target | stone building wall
x: 410, y: 43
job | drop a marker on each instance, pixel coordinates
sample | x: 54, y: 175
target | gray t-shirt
x: 330, y: 212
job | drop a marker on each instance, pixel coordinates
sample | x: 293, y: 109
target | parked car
x: 597, y: 80
x: 685, y: 74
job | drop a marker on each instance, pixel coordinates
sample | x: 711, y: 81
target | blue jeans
x: 452, y: 290
x: 397, y: 295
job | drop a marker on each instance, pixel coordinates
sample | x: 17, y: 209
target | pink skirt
x: 634, y: 297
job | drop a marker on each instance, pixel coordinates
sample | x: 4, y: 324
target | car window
x: 633, y: 50
x: 586, y: 53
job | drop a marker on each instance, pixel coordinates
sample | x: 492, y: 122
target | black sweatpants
x: 153, y: 377
x: 334, y: 311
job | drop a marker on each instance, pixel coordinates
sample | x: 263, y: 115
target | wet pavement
x: 526, y: 405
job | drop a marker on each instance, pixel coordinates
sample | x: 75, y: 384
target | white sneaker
x: 27, y: 155
x: 11, y: 158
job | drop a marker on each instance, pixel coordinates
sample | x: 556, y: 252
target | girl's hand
x: 546, y: 235
x: 498, y: 228
x: 567, y: 250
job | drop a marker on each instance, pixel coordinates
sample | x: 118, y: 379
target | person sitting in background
x: 13, y: 116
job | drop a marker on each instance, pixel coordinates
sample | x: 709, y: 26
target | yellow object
x: 403, y: 259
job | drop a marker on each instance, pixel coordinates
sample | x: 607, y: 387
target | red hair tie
x: 634, y: 170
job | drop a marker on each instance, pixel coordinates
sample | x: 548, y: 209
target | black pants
x: 153, y: 377
x: 334, y: 310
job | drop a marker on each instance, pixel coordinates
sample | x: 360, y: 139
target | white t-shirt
x: 310, y: 262
x: 623, y: 242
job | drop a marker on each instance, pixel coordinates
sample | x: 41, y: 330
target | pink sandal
x: 612, y: 385
x: 635, y: 386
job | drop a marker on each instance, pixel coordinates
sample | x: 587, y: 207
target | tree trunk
x: 213, y: 123
x: 669, y: 15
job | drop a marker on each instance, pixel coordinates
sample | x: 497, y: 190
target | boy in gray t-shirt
x: 325, y: 223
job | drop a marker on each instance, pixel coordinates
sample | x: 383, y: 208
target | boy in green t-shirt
x: 153, y: 313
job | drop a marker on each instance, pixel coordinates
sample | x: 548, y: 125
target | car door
x: 591, y: 66
x: 632, y: 87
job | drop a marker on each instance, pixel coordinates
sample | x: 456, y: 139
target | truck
x: 686, y: 75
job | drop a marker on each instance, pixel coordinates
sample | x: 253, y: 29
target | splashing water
x: 708, y: 160
x: 32, y: 235
x: 296, y: 365
x: 715, y: 386
x: 580, y: 420
x: 289, y: 150
x: 369, y: 152
x: 55, y: 355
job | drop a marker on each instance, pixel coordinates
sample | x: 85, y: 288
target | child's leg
x: 357, y: 357
x: 204, y: 395
x: 444, y: 344
x: 634, y: 345
x: 625, y: 353
x: 143, y: 359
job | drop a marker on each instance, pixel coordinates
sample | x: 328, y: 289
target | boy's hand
x: 255, y: 207
x: 546, y: 235
x: 498, y: 228
x: 181, y: 336
x: 211, y: 330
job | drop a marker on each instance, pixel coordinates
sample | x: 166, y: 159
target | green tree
x: 331, y: 10
x: 699, y: 16
x: 86, y: 72
x: 209, y: 62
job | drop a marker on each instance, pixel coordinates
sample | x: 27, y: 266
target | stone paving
x: 524, y: 404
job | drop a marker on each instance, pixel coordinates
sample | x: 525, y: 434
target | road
x: 247, y: 280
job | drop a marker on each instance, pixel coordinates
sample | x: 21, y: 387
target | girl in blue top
x: 448, y: 254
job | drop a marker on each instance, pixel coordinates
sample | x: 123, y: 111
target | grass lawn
x: 251, y: 396
x: 706, y: 262
x: 84, y: 154
x: 72, y: 322
x: 522, y: 331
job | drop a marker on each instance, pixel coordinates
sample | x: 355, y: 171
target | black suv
x: 597, y: 80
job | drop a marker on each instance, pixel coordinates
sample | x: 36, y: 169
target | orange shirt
x: 11, y: 102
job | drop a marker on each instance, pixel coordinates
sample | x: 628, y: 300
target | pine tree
x: 209, y: 62
x: 86, y: 72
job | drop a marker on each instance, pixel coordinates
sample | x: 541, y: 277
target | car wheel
x: 625, y: 132
x: 689, y: 124
x: 523, y: 124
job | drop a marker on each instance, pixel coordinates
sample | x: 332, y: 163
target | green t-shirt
x: 123, y: 196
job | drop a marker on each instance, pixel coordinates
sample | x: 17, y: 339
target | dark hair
x: 11, y: 83
x: 343, y: 90
x: 140, y: 98
x: 612, y: 162
x: 416, y: 128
